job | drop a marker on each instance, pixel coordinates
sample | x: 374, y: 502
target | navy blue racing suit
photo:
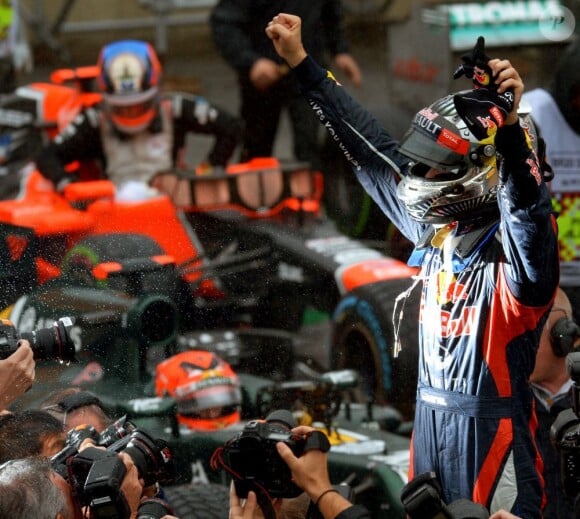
x: 475, y: 419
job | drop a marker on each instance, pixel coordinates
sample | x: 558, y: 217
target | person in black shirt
x: 266, y: 87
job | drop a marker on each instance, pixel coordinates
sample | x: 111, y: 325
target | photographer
x: 30, y: 433
x: 310, y: 473
x: 117, y: 471
x: 29, y: 486
x: 551, y: 384
x: 73, y: 407
x: 16, y: 374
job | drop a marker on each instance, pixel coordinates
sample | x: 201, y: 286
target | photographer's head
x: 74, y: 407
x: 558, y: 338
x: 30, y: 488
x: 30, y: 433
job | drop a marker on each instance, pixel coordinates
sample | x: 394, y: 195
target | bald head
x: 561, y: 308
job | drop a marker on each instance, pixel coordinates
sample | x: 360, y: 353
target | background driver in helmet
x: 206, y: 389
x: 137, y: 130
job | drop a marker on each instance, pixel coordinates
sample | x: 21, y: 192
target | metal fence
x: 157, y: 14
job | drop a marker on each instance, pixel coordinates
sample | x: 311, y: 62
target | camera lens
x: 151, y: 457
x: 153, y: 509
x: 52, y: 343
x: 117, y: 430
x: 282, y: 417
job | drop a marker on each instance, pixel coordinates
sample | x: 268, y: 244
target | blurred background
x: 407, y: 50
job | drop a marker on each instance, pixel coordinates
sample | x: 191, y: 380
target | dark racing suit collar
x: 472, y: 236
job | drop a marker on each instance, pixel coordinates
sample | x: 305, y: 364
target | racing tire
x: 199, y: 501
x: 85, y: 254
x: 363, y: 338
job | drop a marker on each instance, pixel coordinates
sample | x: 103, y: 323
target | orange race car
x: 249, y: 248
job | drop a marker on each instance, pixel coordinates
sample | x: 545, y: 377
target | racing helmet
x: 129, y: 77
x: 455, y: 136
x: 206, y: 389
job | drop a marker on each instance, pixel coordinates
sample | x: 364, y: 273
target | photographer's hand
x: 131, y: 486
x: 17, y: 373
x: 310, y: 473
x: 249, y: 510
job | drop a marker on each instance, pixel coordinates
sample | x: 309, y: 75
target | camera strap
x: 264, y: 501
x: 317, y: 440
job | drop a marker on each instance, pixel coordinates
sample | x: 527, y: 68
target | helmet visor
x: 132, y: 111
x: 225, y: 398
x: 426, y: 172
x: 432, y: 140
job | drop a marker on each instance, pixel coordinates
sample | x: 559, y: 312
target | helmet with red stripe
x: 453, y: 173
x: 206, y: 389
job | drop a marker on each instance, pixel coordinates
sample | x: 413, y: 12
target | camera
x: 421, y: 498
x: 95, y: 475
x: 252, y: 459
x: 46, y: 343
x: 153, y: 508
x: 565, y: 433
x: 75, y: 437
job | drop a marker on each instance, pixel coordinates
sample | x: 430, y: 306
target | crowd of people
x: 495, y: 242
x: 31, y: 485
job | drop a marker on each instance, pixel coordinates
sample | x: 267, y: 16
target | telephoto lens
x: 151, y: 456
x: 54, y: 342
x: 46, y: 343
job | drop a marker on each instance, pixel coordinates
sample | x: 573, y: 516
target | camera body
x: 421, y: 498
x: 46, y: 343
x: 252, y: 458
x: 253, y: 455
x: 95, y: 475
x: 75, y: 437
x: 565, y: 433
